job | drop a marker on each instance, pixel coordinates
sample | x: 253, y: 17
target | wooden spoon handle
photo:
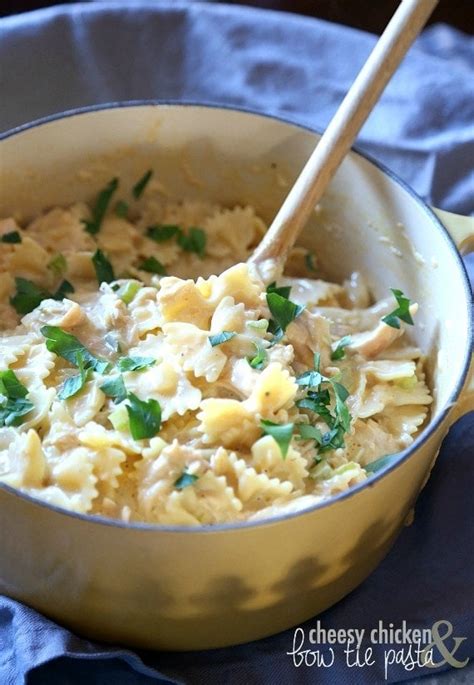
x: 337, y: 139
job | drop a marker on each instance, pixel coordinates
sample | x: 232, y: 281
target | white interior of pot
x: 367, y: 221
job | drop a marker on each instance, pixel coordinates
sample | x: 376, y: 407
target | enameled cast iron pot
x: 179, y: 588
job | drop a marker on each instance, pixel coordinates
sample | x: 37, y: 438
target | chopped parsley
x: 102, y: 202
x: 140, y: 185
x: 103, y: 268
x: 380, y: 463
x: 115, y: 388
x: 339, y: 352
x: 121, y: 209
x: 280, y: 432
x: 135, y: 363
x: 65, y: 288
x: 144, y: 417
x: 161, y: 233
x: 283, y: 290
x: 11, y: 238
x: 331, y: 409
x: 152, y: 266
x: 74, y: 384
x: 69, y: 348
x: 13, y: 403
x: 58, y: 264
x: 260, y: 357
x: 283, y: 311
x: 185, y: 480
x: 220, y: 338
x: 28, y: 295
x: 194, y: 241
x: 400, y: 313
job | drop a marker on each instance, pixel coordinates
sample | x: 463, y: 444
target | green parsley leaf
x: 100, y: 208
x: 381, y: 463
x: 152, y: 266
x: 58, y: 264
x: 11, y: 238
x: 13, y: 405
x: 103, y: 268
x: 144, y: 417
x: 308, y: 432
x: 161, y: 233
x: 74, y: 384
x: 338, y: 352
x: 115, y: 388
x: 10, y: 385
x: 65, y: 288
x: 280, y: 432
x: 185, y: 480
x: 13, y: 411
x: 283, y: 311
x: 259, y: 359
x: 69, y: 347
x: 194, y: 241
x: 220, y: 338
x: 319, y: 402
x: 318, y: 406
x: 135, y: 363
x: 401, y: 313
x: 283, y: 290
x: 28, y: 296
x: 121, y: 209
x: 128, y: 290
x: 310, y: 263
x: 312, y: 379
x: 140, y: 185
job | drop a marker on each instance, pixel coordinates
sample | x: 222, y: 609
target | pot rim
x: 373, y: 478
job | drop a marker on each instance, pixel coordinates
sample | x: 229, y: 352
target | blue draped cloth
x: 423, y: 129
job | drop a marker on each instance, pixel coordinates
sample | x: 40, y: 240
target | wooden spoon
x: 403, y: 28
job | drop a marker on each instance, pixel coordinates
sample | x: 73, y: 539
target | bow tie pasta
x: 148, y: 374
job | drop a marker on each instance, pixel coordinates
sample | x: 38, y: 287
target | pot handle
x: 461, y: 230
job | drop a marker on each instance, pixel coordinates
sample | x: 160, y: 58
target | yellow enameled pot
x: 180, y: 588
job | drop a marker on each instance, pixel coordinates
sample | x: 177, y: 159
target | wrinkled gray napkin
x: 300, y: 68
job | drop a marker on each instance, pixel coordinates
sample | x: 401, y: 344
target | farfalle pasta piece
x: 22, y: 460
x: 253, y: 489
x: 228, y: 316
x: 227, y: 422
x: 12, y: 348
x: 88, y: 402
x: 266, y: 458
x: 404, y: 421
x: 182, y: 301
x: 61, y: 230
x: 274, y: 389
x: 192, y: 348
x: 29, y: 260
x: 237, y: 282
x: 145, y: 313
x: 247, y: 230
x: 167, y: 383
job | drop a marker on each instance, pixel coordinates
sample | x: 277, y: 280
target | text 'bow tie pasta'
x: 147, y: 373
